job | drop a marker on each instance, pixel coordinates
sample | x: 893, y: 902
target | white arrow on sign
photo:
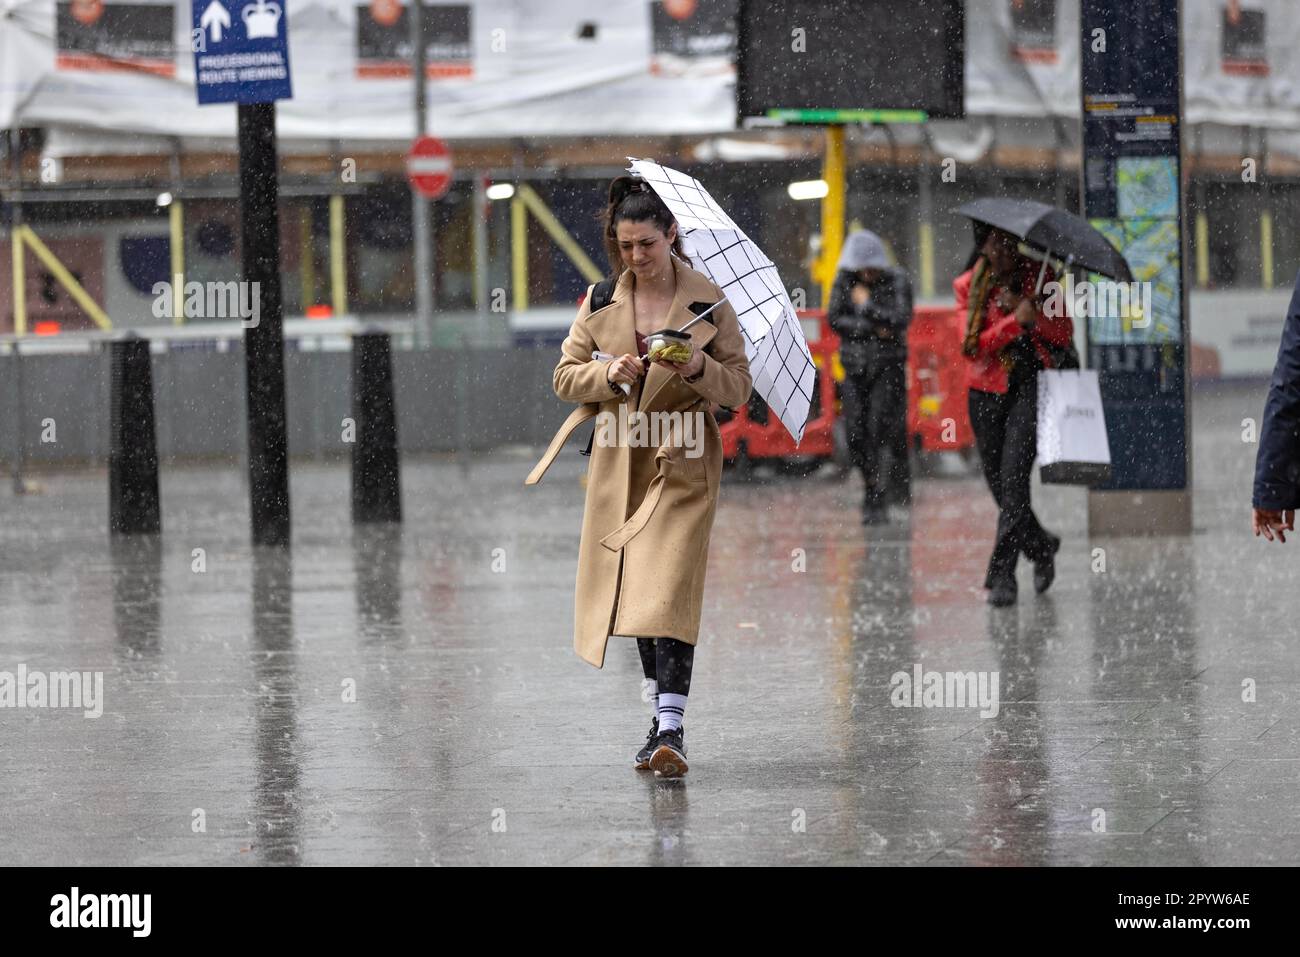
x: 215, y: 17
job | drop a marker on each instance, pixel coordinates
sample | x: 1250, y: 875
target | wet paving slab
x: 397, y: 695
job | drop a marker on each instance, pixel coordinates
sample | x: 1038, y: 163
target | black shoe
x: 1045, y: 570
x: 643, y: 756
x: 1003, y: 593
x: 669, y: 757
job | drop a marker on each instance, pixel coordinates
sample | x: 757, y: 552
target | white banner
x: 1239, y: 62
x: 572, y: 67
x: 1236, y: 333
x: 496, y: 68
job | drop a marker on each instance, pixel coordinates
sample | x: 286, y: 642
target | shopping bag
x: 1072, y: 444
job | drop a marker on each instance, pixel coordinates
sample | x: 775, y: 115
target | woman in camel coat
x: 649, y: 509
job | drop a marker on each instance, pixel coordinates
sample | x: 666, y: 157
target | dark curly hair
x: 632, y: 199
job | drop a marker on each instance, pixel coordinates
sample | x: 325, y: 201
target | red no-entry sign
x: 429, y: 167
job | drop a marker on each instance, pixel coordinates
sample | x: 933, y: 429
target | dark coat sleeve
x: 844, y: 317
x: 1277, y: 466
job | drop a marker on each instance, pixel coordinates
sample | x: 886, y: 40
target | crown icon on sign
x: 262, y: 20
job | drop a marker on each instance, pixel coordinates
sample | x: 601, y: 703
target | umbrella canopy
x: 1063, y: 235
x: 779, y: 361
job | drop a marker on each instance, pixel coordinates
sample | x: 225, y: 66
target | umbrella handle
x: 703, y: 314
x: 1038, y: 286
x: 696, y: 319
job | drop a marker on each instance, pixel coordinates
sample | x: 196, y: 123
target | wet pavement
x: 397, y: 696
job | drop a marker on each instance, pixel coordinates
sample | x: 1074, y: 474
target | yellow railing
x: 527, y: 201
x: 22, y: 238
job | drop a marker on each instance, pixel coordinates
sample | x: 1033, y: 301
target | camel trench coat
x: 649, y: 510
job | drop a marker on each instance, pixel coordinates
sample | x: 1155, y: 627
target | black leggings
x: 1006, y: 433
x: 875, y: 412
x: 667, y: 661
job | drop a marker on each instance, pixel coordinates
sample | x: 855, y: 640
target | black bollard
x: 133, y: 450
x: 376, y: 482
x: 268, y: 443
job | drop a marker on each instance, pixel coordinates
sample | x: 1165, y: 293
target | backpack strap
x: 602, y: 294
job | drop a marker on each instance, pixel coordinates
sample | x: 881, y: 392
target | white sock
x: 650, y: 694
x: 672, y: 709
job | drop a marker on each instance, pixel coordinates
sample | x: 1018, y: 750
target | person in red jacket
x: 1006, y: 341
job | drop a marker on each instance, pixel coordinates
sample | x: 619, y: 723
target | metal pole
x: 832, y: 209
x: 925, y: 226
x: 338, y: 257
x: 268, y: 451
x: 16, y: 235
x: 424, y: 292
x: 20, y: 420
x: 480, y: 246
x: 1265, y: 216
x: 176, y: 225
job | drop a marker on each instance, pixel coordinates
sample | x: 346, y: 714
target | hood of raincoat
x: 863, y: 249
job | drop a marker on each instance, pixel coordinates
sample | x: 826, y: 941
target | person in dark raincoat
x: 870, y: 309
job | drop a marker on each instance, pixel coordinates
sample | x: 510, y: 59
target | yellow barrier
x: 558, y: 233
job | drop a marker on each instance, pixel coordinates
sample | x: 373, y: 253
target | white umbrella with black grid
x: 779, y: 361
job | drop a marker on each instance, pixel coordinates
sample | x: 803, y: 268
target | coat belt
x: 629, y: 529
x: 578, y: 416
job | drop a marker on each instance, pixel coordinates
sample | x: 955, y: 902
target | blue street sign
x: 241, y: 51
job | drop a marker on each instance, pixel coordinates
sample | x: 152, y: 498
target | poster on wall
x: 1243, y: 46
x: 383, y: 40
x: 105, y: 35
x: 1033, y: 30
x: 693, y: 36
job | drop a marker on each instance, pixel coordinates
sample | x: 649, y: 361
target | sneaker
x: 642, y: 760
x: 668, y: 760
x: 1045, y: 570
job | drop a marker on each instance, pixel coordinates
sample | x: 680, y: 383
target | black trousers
x: 667, y: 661
x: 1006, y: 435
x: 875, y: 412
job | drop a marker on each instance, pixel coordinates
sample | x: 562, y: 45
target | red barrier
x: 937, y: 417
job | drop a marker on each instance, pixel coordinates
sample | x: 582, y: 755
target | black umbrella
x: 1061, y: 235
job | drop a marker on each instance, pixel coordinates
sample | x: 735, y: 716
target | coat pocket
x: 692, y: 469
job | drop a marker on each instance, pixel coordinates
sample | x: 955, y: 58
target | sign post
x: 1131, y: 88
x: 423, y: 246
x: 241, y: 55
